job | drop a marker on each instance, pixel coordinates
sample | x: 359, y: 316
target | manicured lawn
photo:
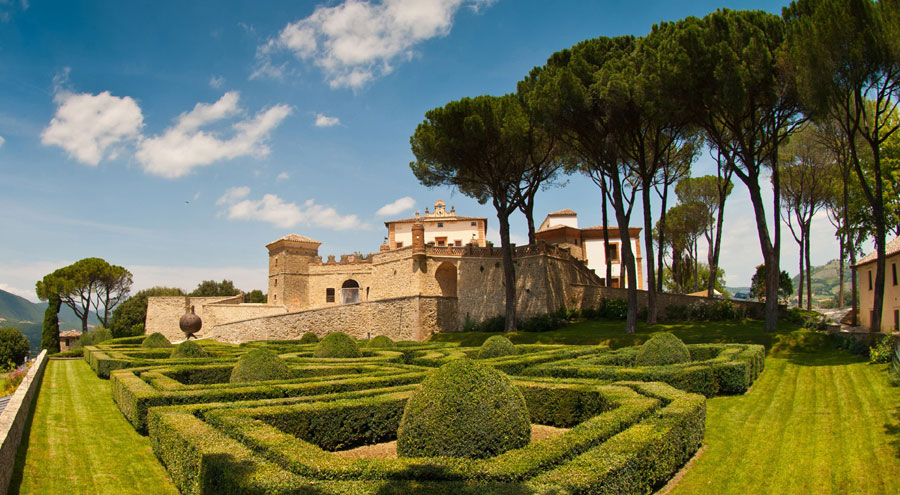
x: 79, y: 443
x: 824, y: 423
x: 817, y: 421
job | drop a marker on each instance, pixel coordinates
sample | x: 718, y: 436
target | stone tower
x: 289, y: 260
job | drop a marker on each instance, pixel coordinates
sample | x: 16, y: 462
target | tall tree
x: 50, y: 332
x: 747, y: 108
x: 846, y: 54
x: 709, y: 191
x: 687, y: 223
x: 675, y: 167
x: 133, y: 311
x: 113, y: 286
x: 568, y: 91
x: 79, y: 286
x: 480, y: 146
x: 211, y: 288
x: 807, y: 175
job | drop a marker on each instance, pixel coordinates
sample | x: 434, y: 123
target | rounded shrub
x: 156, y: 340
x: 189, y: 349
x: 464, y: 409
x: 496, y: 346
x: 381, y: 342
x: 662, y: 348
x: 309, y: 338
x: 337, y: 345
x: 258, y: 365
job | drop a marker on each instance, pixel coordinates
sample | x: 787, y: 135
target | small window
x: 441, y: 242
x: 870, y: 279
x: 399, y: 245
x: 276, y: 282
x: 896, y: 319
x: 457, y: 243
x: 613, y: 252
x: 329, y: 295
x: 474, y: 224
x: 274, y: 297
x: 894, y: 272
x: 440, y: 224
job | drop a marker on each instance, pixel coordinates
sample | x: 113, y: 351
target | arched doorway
x: 350, y: 292
x: 446, y: 279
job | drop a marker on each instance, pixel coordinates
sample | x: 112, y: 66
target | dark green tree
x: 50, y: 333
x: 211, y: 288
x: 710, y: 191
x: 255, y: 296
x: 133, y: 311
x: 480, y: 146
x: 13, y: 347
x: 758, y: 284
x: 85, y: 284
x: 846, y: 57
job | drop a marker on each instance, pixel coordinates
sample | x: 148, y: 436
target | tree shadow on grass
x: 831, y: 357
x: 893, y: 431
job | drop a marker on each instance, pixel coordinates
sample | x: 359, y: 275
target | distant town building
x: 68, y: 339
x: 561, y: 228
x: 442, y: 228
x: 865, y: 272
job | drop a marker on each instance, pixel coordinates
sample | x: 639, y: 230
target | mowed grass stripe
x: 79, y: 443
x: 812, y: 424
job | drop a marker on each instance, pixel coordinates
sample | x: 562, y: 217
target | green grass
x: 77, y: 441
x: 817, y: 421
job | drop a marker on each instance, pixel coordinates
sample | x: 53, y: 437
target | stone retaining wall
x: 14, y: 417
x: 402, y: 318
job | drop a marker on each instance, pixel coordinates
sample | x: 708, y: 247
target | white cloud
x: 27, y: 294
x: 87, y: 125
x: 2, y: 141
x: 184, y: 146
x: 356, y: 41
x: 233, y: 195
x: 216, y: 82
x: 274, y: 210
x: 323, y: 120
x: 399, y: 206
x: 283, y: 176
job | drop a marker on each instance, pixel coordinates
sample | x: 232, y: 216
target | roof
x: 70, y: 333
x: 593, y: 230
x: 423, y: 219
x: 296, y: 238
x: 562, y: 213
x: 890, y: 249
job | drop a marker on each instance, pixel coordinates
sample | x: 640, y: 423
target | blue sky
x: 178, y: 138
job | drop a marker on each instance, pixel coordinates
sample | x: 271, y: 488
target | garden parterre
x: 628, y: 432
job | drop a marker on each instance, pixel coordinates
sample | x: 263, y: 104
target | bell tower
x: 289, y: 260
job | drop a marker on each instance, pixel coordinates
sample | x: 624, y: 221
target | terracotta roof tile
x: 567, y: 212
x: 70, y: 333
x: 891, y: 248
x: 297, y: 238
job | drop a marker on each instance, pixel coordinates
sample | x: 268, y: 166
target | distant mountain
x: 16, y: 311
x: 826, y: 281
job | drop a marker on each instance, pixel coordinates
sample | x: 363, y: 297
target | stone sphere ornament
x: 190, y: 323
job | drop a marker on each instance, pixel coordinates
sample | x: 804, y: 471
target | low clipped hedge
x: 496, y: 346
x: 630, y: 438
x: 189, y: 349
x: 661, y: 349
x: 464, y: 409
x: 155, y: 340
x: 259, y: 365
x: 337, y: 345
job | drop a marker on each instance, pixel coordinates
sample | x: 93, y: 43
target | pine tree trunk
x: 648, y: 242
x: 509, y: 270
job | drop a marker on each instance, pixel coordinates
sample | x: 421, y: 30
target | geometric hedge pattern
x: 628, y: 428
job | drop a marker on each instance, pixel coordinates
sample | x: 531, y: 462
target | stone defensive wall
x: 589, y: 296
x: 402, y: 318
x: 15, y: 416
x: 163, y: 313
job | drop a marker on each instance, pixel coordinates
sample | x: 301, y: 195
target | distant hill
x: 16, y: 311
x: 826, y: 281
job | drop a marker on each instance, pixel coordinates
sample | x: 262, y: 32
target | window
x: 870, y: 279
x: 399, y: 245
x: 896, y: 319
x: 440, y: 241
x: 474, y: 224
x: 457, y: 243
x: 894, y: 272
x: 329, y: 295
x: 440, y: 224
x: 613, y: 252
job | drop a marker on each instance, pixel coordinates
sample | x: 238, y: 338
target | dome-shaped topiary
x: 662, y: 348
x: 258, y: 365
x: 464, y: 409
x: 189, y: 349
x: 156, y: 340
x: 381, y: 342
x: 309, y: 338
x: 337, y: 345
x: 496, y: 346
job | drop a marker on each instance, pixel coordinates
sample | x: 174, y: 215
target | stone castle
x: 432, y: 274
